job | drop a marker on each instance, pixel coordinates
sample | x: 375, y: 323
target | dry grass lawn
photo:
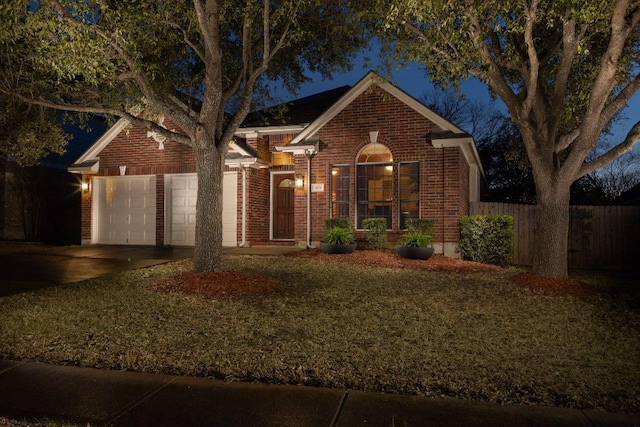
x: 462, y: 333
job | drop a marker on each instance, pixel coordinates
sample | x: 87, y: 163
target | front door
x: 283, y: 207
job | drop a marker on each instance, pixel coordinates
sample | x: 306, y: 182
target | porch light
x: 84, y: 186
x: 299, y: 182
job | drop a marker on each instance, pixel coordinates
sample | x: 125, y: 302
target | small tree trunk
x: 208, y: 244
x: 551, y: 232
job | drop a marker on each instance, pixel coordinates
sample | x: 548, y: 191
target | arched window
x: 374, y: 170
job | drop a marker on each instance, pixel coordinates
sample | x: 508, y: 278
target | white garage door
x: 181, y: 194
x: 125, y: 210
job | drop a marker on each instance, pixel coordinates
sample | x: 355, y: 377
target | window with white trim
x: 340, y: 191
x: 374, y: 177
x: 408, y: 192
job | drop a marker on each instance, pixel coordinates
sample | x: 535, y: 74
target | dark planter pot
x: 411, y: 252
x: 337, y: 249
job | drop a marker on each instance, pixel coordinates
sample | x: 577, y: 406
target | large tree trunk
x: 208, y: 246
x: 551, y: 231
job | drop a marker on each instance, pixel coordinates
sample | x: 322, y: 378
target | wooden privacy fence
x: 600, y: 237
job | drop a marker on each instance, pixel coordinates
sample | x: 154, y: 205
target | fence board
x: 600, y: 237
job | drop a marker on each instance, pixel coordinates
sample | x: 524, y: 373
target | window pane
x: 374, y: 153
x: 340, y: 191
x: 409, y: 188
x: 374, y: 192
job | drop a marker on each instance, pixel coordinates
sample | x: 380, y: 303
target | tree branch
x: 105, y: 111
x: 531, y: 77
x: 185, y: 38
x: 624, y: 147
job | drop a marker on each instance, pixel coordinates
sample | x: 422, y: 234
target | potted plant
x: 338, y: 238
x: 416, y: 242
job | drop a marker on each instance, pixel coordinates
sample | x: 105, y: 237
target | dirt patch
x: 237, y: 284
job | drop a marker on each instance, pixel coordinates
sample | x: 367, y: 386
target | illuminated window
x: 374, y: 183
x: 340, y: 191
x: 409, y: 191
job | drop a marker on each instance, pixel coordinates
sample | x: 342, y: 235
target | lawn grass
x: 464, y: 335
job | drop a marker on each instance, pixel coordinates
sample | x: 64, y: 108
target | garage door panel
x: 138, y: 219
x: 183, y: 189
x: 126, y: 210
x: 179, y: 219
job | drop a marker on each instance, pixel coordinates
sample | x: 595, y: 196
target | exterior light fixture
x: 123, y: 170
x: 299, y: 182
x: 84, y: 186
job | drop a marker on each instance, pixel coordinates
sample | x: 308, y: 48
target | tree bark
x: 210, y: 169
x: 551, y: 232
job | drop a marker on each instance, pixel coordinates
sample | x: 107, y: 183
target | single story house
x: 370, y: 150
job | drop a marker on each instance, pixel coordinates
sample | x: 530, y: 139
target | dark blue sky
x: 413, y: 80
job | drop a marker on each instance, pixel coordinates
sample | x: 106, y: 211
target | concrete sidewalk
x: 115, y: 398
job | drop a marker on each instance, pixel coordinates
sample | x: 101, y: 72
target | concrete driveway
x: 34, y: 266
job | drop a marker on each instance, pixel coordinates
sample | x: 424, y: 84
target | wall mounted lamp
x: 84, y: 186
x: 300, y: 182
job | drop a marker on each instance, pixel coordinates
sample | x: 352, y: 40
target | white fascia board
x: 94, y: 151
x: 372, y: 78
x: 252, y: 162
x: 93, y: 169
x: 268, y: 130
x: 298, y: 149
x: 238, y: 149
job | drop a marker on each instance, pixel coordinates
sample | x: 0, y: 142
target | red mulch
x: 390, y: 260
x: 223, y: 283
x: 230, y: 283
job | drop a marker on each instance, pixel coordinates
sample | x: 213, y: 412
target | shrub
x: 416, y: 239
x: 487, y: 238
x: 341, y: 222
x: 421, y: 225
x: 338, y: 236
x: 376, y: 232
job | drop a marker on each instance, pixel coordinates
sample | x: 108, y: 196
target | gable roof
x: 444, y: 133
x: 239, y: 153
x: 370, y: 79
x: 297, y: 112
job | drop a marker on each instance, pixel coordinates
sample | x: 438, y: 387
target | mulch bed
x: 238, y: 284
x: 223, y: 283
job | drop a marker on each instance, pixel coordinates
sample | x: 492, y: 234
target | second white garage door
x: 181, y: 193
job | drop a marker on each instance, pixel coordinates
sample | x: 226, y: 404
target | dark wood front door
x: 283, y: 208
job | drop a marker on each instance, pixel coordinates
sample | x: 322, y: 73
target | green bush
x: 376, y: 232
x: 421, y: 225
x: 341, y: 222
x: 487, y: 239
x: 416, y: 239
x: 338, y: 236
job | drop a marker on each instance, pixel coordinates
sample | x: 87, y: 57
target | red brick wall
x: 444, y: 195
x: 258, y: 205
